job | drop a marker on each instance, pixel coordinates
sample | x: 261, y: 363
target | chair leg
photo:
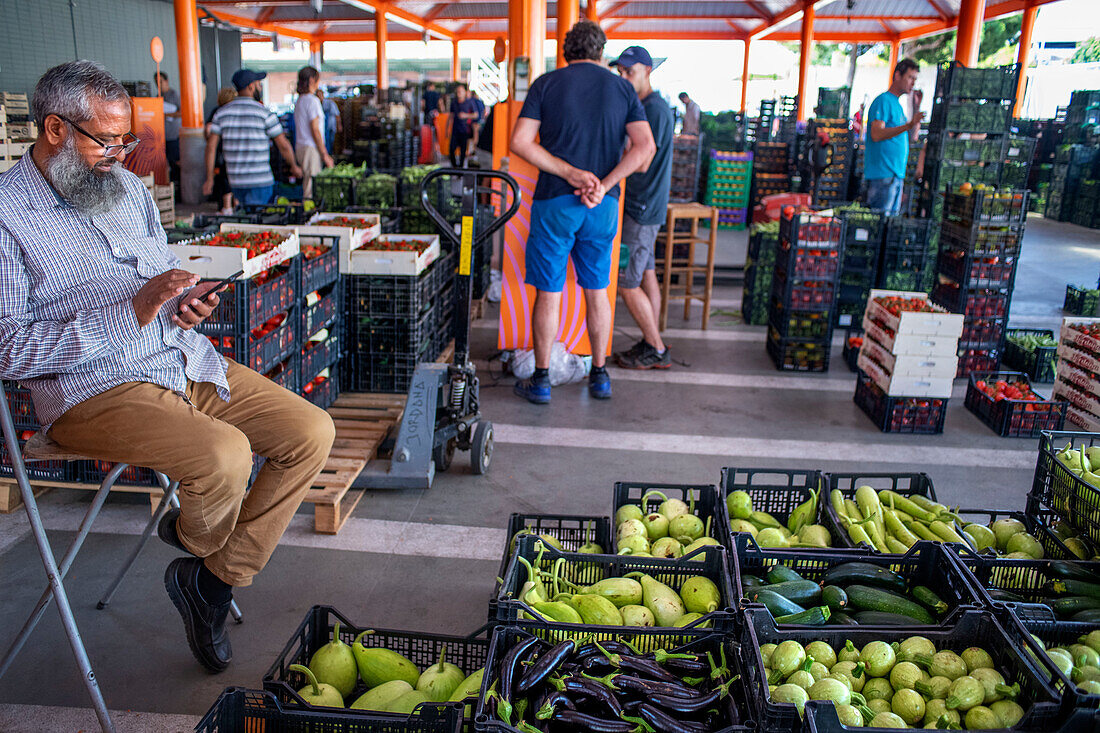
x: 57, y: 587
x: 165, y: 501
x: 666, y: 280
x: 66, y: 562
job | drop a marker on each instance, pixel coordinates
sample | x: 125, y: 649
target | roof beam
x: 760, y: 11
x: 791, y: 15
x: 401, y: 16
x: 249, y: 23
x: 941, y: 9
x: 833, y: 37
x: 992, y: 10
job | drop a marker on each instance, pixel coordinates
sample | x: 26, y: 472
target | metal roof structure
x: 865, y: 21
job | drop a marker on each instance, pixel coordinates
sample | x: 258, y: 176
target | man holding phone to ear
x: 96, y: 320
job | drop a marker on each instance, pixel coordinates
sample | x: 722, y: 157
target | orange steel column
x: 456, y: 62
x: 895, y: 50
x: 381, y: 36
x: 745, y: 76
x: 187, y: 47
x: 569, y: 12
x: 591, y: 12
x: 971, y: 18
x: 1023, y: 57
x: 806, y: 55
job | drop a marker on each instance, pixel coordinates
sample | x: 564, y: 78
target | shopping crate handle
x: 471, y: 178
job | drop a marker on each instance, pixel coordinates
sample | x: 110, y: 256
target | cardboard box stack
x: 907, y: 362
x: 17, y: 131
x: 1078, y: 380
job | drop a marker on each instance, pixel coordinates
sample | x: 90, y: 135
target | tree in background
x: 1087, y: 52
x: 998, y: 35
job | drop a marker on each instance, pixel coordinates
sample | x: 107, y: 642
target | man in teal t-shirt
x: 888, y: 134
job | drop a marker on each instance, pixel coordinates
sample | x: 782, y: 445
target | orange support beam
x: 591, y: 12
x: 745, y: 77
x: 805, y: 55
x: 1023, y: 56
x: 381, y: 36
x: 895, y: 49
x: 187, y: 48
x: 971, y: 19
x: 569, y: 12
x: 456, y: 62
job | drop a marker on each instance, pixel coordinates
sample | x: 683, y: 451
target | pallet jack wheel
x: 481, y: 447
x: 443, y: 454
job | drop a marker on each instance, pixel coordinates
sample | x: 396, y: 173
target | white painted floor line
x: 38, y: 718
x: 677, y: 375
x: 763, y: 450
x: 757, y: 335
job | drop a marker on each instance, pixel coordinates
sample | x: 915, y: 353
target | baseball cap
x: 244, y: 77
x: 633, y: 55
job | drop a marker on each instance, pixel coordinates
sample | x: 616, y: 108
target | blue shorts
x: 562, y: 227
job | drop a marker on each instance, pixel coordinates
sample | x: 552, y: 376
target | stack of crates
x: 833, y: 103
x: 770, y: 171
x: 728, y: 181
x: 392, y: 324
x: 1086, y: 206
x: 1080, y: 113
x: 980, y: 246
x: 907, y: 362
x: 1019, y: 154
x: 1072, y: 164
x: 765, y: 121
x: 804, y: 289
x: 322, y: 327
x: 759, y: 267
x: 831, y: 186
x: 862, y: 241
x: 26, y: 425
x: 908, y: 258
x: 685, y: 169
x: 787, y: 113
x: 1076, y: 381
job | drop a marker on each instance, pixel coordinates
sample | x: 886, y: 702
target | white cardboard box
x: 351, y: 238
x: 217, y: 262
x: 1068, y: 390
x: 912, y: 365
x: 1082, y: 419
x: 1068, y: 354
x: 1077, y: 338
x: 1069, y: 373
x: 939, y: 323
x: 366, y: 261
x: 916, y: 344
x: 905, y: 386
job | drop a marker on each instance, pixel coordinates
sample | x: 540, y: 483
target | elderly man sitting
x: 96, y: 320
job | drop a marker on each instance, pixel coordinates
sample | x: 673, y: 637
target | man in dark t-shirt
x: 572, y: 127
x: 460, y: 125
x: 645, y: 205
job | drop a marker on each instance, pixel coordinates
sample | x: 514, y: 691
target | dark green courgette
x: 777, y: 604
x: 1073, y: 571
x: 751, y: 581
x: 840, y: 618
x: 866, y: 598
x: 782, y: 573
x: 1000, y: 594
x: 1069, y: 587
x: 816, y: 616
x: 883, y: 618
x: 1090, y: 615
x: 834, y: 597
x: 865, y: 574
x: 927, y: 597
x: 1069, y: 605
x: 804, y: 592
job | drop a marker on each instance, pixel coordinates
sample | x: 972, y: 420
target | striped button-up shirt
x: 68, y: 330
x: 246, y: 128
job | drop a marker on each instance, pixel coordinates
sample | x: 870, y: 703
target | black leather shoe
x: 204, y: 622
x: 166, y: 530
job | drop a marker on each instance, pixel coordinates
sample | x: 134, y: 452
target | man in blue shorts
x: 888, y: 134
x: 573, y: 126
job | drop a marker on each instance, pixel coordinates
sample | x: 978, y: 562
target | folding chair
x: 41, y: 448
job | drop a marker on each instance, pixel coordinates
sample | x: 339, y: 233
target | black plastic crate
x: 972, y: 302
x: 807, y: 262
x: 319, y: 267
x: 907, y: 270
x: 391, y: 334
x: 390, y: 373
x: 929, y: 564
x: 905, y: 484
x: 1041, y: 702
x: 851, y: 348
x: 21, y: 407
x: 1013, y: 418
x: 571, y: 530
x: 977, y: 359
x: 1040, y: 522
x: 239, y: 710
x: 1057, y: 487
x: 287, y: 374
x: 701, y: 498
x: 1040, y: 622
x: 316, y: 355
x: 93, y: 472
x: 977, y: 271
x: 777, y: 491
x: 735, y: 709
x: 323, y: 393
x: 46, y: 470
x: 798, y: 354
x: 983, y: 240
x: 710, y: 561
x: 906, y: 234
x: 322, y: 313
x: 891, y: 414
x: 953, y: 79
x: 812, y: 230
x: 337, y: 192
x: 1002, y: 207
x: 951, y: 115
x: 1082, y: 301
x: 247, y: 304
x: 256, y: 349
x: 386, y: 295
x: 469, y: 653
x: 1037, y: 364
x: 814, y: 325
x: 802, y: 294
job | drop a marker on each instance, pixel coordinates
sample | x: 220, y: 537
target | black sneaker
x: 204, y: 622
x: 647, y: 358
x: 166, y: 530
x: 631, y: 353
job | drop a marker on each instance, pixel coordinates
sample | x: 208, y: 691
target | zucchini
x: 840, y: 618
x: 1069, y: 587
x: 816, y: 616
x: 834, y: 597
x: 1073, y: 571
x: 800, y: 591
x: 866, y: 598
x: 884, y: 618
x: 926, y: 596
x: 1070, y: 605
x: 781, y: 573
x: 1091, y: 615
x: 1000, y: 594
x: 751, y: 581
x: 864, y: 573
x: 777, y: 604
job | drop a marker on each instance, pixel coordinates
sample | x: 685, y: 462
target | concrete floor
x: 426, y: 560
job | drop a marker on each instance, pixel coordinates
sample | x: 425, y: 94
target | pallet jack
x: 442, y: 412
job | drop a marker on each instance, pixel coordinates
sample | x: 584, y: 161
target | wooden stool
x: 683, y: 263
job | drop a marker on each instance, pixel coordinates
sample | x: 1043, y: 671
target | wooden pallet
x: 363, y: 421
x: 10, y: 499
x: 479, y: 308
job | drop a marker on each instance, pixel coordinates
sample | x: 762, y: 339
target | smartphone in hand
x: 216, y: 288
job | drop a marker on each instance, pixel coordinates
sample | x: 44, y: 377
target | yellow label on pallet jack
x: 465, y: 252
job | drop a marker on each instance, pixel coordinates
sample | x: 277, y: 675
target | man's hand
x: 197, y: 305
x: 916, y: 120
x: 915, y: 98
x: 158, y: 291
x: 327, y: 160
x: 581, y: 181
x: 208, y: 187
x: 594, y: 196
x: 296, y: 171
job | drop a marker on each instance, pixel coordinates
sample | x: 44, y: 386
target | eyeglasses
x: 109, y: 151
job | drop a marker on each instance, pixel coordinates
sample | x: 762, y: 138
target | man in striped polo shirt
x: 244, y: 127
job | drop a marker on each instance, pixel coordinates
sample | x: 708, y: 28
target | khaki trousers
x: 309, y: 158
x: 206, y: 444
